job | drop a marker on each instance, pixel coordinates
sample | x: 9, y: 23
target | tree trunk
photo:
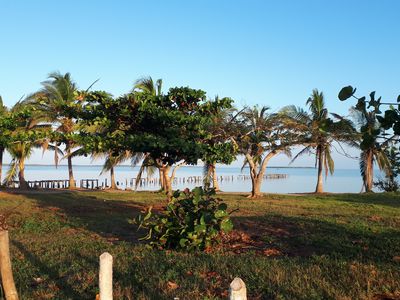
x: 255, y: 186
x: 1, y: 164
x: 21, y: 174
x: 7, y: 278
x: 112, y: 175
x: 70, y: 172
x: 369, y: 172
x: 160, y: 173
x: 255, y: 183
x: 257, y: 178
x: 167, y: 181
x: 319, y: 188
x: 214, y: 177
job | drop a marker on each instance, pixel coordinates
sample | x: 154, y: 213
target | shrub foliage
x: 192, y: 220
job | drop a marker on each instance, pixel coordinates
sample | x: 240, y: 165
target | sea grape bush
x: 192, y: 220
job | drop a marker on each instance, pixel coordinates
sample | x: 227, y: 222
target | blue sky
x: 257, y: 52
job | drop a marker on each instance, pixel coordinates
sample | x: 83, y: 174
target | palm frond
x: 305, y: 150
x: 12, y: 172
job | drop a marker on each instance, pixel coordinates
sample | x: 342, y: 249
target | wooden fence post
x: 237, y: 290
x: 5, y: 267
x: 105, y: 276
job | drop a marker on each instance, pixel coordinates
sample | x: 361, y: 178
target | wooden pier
x: 49, y: 184
x: 90, y: 184
x: 93, y: 184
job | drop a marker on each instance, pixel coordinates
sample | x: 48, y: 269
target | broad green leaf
x: 346, y: 92
x: 226, y: 225
x: 220, y: 213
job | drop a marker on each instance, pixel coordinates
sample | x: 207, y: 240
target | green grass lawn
x: 343, y: 246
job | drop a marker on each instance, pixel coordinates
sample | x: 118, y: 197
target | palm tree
x: 221, y: 134
x: 146, y: 85
x: 111, y: 161
x: 21, y: 149
x: 261, y: 136
x: 371, y: 151
x: 58, y: 93
x: 317, y: 132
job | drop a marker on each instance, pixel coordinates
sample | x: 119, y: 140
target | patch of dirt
x: 375, y: 218
x: 259, y: 232
x: 386, y: 297
x: 239, y: 242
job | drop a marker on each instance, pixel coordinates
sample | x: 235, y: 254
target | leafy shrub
x: 388, y: 184
x: 190, y: 223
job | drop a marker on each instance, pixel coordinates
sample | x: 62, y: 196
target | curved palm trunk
x: 319, y: 188
x: 70, y: 172
x: 112, y: 175
x: 21, y: 174
x: 369, y: 172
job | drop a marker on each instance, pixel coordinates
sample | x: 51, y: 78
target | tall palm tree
x: 21, y: 149
x: 221, y: 136
x: 57, y: 93
x: 371, y: 151
x: 317, y: 132
x: 261, y: 136
x: 147, y: 86
x: 111, y: 161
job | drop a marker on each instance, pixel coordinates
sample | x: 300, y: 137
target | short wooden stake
x: 105, y: 276
x: 5, y: 267
x: 237, y: 290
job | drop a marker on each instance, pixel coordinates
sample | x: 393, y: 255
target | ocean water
x: 298, y: 180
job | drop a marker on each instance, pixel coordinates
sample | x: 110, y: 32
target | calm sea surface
x: 298, y: 180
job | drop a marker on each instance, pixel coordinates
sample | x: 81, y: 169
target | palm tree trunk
x: 70, y: 172
x: 369, y: 172
x: 112, y: 175
x: 21, y: 174
x: 214, y: 177
x: 319, y: 188
x: 1, y: 164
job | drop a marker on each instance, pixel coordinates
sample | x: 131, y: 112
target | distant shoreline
x: 128, y: 166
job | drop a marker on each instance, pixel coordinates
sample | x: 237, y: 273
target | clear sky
x: 257, y: 52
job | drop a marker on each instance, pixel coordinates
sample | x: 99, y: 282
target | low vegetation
x: 192, y: 220
x: 343, y: 246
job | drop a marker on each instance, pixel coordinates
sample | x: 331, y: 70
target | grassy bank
x: 284, y: 247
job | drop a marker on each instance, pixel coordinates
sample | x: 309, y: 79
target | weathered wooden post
x: 105, y: 276
x: 237, y: 290
x: 5, y: 267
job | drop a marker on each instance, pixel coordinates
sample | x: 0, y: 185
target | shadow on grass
x: 304, y: 237
x: 44, y: 270
x: 110, y: 219
x: 293, y: 235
